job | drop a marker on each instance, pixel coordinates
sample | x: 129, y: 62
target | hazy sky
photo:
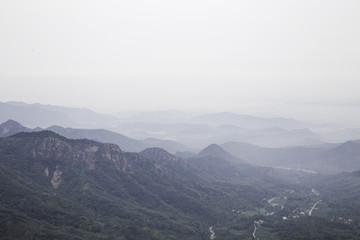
x: 122, y: 55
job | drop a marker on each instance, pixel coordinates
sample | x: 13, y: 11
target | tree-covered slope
x: 92, y: 190
x: 56, y: 188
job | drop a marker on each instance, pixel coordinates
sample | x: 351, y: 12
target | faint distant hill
x: 342, y: 134
x: 345, y: 157
x: 271, y: 137
x: 125, y: 143
x: 170, y: 146
x: 247, y: 121
x: 199, y: 135
x: 182, y: 128
x: 215, y: 161
x: 324, y: 158
x: 101, y: 135
x: 168, y: 116
x: 295, y: 157
x: 11, y: 127
x: 39, y: 115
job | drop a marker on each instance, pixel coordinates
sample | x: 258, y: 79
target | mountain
x: 200, y: 135
x: 171, y: 146
x: 101, y: 135
x: 345, y: 157
x: 295, y: 157
x: 11, y: 127
x: 125, y: 143
x: 215, y: 162
x: 247, y: 121
x: 158, y: 154
x: 327, y: 159
x: 341, y: 134
x: 56, y: 150
x: 39, y: 115
x: 216, y: 151
x: 52, y: 187
x: 183, y: 129
x: 269, y: 137
x: 55, y: 187
x: 218, y: 165
x: 342, y: 193
x: 185, y: 154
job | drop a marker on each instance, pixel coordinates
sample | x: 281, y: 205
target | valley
x: 180, y: 120
x: 81, y: 184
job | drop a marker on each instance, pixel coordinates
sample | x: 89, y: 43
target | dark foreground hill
x: 52, y: 187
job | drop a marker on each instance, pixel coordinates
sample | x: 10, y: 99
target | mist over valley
x: 191, y: 120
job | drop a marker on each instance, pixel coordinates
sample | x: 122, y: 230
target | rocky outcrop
x: 54, y: 150
x: 56, y: 179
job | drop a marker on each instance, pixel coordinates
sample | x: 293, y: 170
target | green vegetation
x: 313, y: 228
x: 139, y: 198
x: 107, y: 203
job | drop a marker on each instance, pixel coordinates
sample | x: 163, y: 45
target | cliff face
x: 50, y: 147
x: 96, y: 190
x: 54, y: 153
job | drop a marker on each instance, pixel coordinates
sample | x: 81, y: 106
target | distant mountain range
x: 179, y: 129
x: 247, y: 121
x: 11, y: 127
x: 200, y: 135
x: 324, y: 158
x: 39, y: 115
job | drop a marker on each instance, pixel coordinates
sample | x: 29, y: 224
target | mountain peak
x: 347, y: 147
x: 211, y: 147
x: 158, y: 154
x: 11, y: 122
x: 11, y: 127
x: 215, y: 150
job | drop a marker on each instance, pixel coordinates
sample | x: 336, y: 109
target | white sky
x: 113, y: 56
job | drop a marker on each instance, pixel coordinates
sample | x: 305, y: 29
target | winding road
x: 310, y: 212
x: 212, y: 233
x: 254, y: 236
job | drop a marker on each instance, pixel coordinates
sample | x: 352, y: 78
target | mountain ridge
x: 106, y: 136
x: 11, y: 127
x: 327, y: 159
x: 112, y: 188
